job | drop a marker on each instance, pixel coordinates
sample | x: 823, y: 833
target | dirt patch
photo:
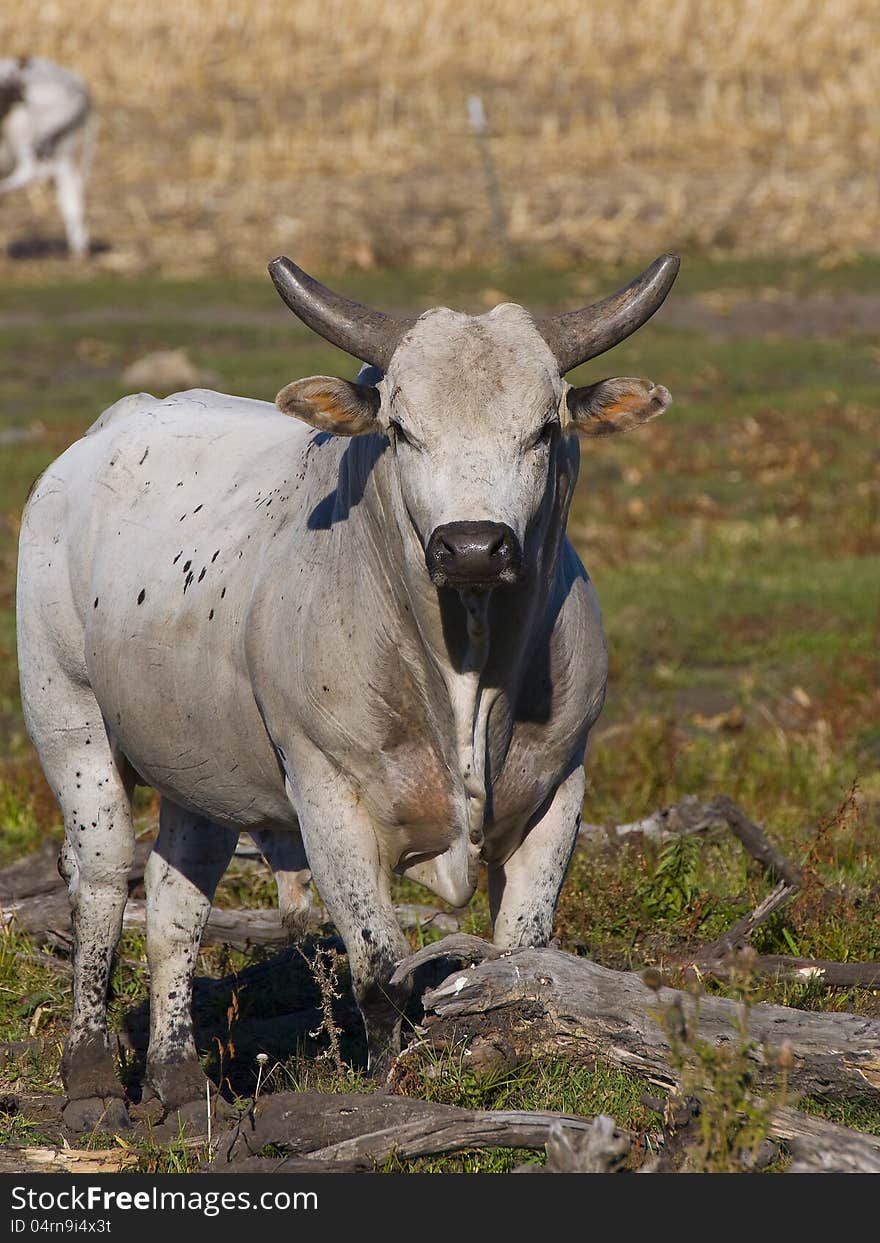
x: 775, y: 314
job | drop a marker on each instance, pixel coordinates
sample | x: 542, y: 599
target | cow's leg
x: 343, y: 855
x: 26, y: 170
x: 93, y: 788
x: 70, y: 194
x: 188, y: 859
x: 285, y: 853
x: 523, y: 893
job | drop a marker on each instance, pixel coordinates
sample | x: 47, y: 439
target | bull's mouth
x: 508, y: 577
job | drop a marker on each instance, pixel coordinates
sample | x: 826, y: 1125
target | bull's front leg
x: 344, y: 858
x: 524, y: 891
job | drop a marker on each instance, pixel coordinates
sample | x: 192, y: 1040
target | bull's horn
x: 366, y: 334
x: 578, y: 335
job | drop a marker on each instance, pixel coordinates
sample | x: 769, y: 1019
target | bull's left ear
x: 614, y: 405
x: 336, y: 406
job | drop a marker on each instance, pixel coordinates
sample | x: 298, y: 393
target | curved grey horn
x: 367, y: 334
x: 578, y: 335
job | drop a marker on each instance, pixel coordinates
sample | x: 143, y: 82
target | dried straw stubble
x: 340, y: 132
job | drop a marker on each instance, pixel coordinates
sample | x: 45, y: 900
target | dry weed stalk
x: 324, y: 967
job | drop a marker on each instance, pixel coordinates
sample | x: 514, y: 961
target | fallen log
x: 67, y: 1160
x: 340, y: 1132
x: 355, y: 1128
x: 739, y: 933
x: 601, y: 1149
x: 46, y: 917
x: 756, y: 842
x: 683, y: 819
x: 38, y: 874
x: 292, y: 1165
x: 821, y: 1147
x: 544, y: 1002
x: 34, y: 874
x: 782, y: 967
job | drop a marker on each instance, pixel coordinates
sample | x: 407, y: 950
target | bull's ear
x: 614, y: 405
x: 336, y: 406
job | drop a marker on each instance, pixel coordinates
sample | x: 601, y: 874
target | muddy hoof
x: 96, y: 1113
x: 382, y: 1059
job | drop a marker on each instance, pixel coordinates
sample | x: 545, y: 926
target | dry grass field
x: 339, y: 132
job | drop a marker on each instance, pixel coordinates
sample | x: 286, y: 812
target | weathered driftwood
x: 756, y: 842
x: 46, y: 918
x: 600, y: 1149
x: 781, y: 966
x: 787, y: 877
x: 689, y: 817
x: 293, y: 1165
x: 541, y: 1002
x: 460, y: 945
x: 683, y: 819
x: 34, y: 874
x: 60, y: 1160
x: 335, y: 1133
x: 740, y: 932
x: 37, y: 873
x: 821, y: 1147
x: 353, y: 1128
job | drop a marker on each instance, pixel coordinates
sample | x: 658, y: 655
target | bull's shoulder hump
x: 196, y: 408
x: 197, y: 400
x: 134, y: 403
x: 221, y: 403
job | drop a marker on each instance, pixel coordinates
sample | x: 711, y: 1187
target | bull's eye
x: 547, y: 432
x: 398, y: 433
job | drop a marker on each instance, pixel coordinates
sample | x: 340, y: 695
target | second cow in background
x: 46, y: 130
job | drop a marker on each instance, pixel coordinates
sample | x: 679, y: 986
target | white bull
x: 45, y: 118
x: 371, y: 645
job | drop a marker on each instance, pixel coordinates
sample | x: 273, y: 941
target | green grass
x: 735, y: 547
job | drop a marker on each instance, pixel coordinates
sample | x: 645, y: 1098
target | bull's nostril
x: 498, y: 545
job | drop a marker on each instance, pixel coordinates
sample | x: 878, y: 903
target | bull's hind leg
x: 188, y: 859
x: 285, y: 854
x: 94, y: 793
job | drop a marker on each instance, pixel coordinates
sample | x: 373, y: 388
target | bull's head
x: 482, y: 424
